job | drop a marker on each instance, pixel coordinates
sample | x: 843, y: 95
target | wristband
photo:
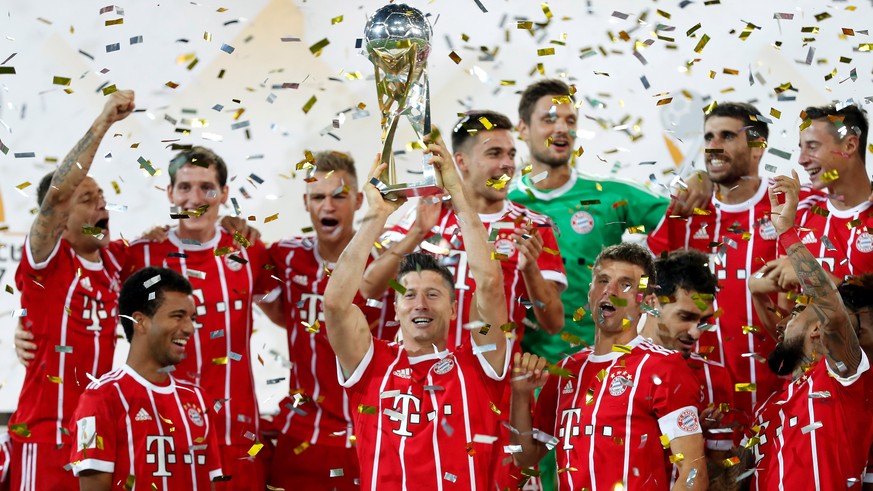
x: 788, y: 238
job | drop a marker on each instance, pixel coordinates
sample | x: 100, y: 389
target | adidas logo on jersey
x: 143, y: 415
x: 809, y: 238
x: 568, y: 387
x: 403, y: 373
x: 701, y: 234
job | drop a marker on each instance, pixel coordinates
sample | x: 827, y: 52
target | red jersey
x: 816, y: 433
x: 718, y: 390
x: 840, y: 239
x: 500, y: 226
x: 609, y: 413
x: 425, y: 422
x: 160, y: 436
x: 318, y: 410
x: 225, y: 285
x: 740, y: 239
x: 72, y: 312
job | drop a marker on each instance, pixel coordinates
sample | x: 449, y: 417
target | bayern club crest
x: 687, y: 421
x: 505, y: 246
x: 194, y: 415
x: 619, y: 383
x: 582, y: 222
x: 232, y: 263
x: 444, y: 366
x: 767, y: 230
x: 864, y: 243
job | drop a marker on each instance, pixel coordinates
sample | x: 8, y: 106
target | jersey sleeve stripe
x: 92, y: 465
x: 489, y: 370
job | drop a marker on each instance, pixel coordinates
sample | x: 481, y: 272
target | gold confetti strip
x: 494, y: 408
x: 745, y: 387
x: 665, y: 441
x: 20, y: 429
x: 255, y: 449
x: 545, y: 51
x: 748, y: 329
x: 622, y: 348
x: 316, y: 48
x: 55, y: 380
x: 675, y: 459
x: 336, y: 20
x: 498, y: 183
x: 309, y: 104
x: 454, y: 57
x: 60, y: 81
x: 701, y: 44
x: 303, y: 446
x: 220, y: 361
x: 664, y: 102
x: 578, y: 314
x: 830, y: 176
x: 363, y: 409
x: 271, y: 218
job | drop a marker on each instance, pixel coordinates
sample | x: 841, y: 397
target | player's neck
x: 147, y: 368
x: 555, y: 178
x: 201, y: 235
x: 330, y: 249
x: 86, y: 251
x: 483, y: 205
x: 415, y: 349
x: 849, y: 191
x: 651, y: 331
x: 604, y: 341
x: 738, y: 191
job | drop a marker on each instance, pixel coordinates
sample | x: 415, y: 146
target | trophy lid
x: 396, y: 26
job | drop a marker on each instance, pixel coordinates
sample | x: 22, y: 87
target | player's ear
x: 360, y: 199
x: 140, y: 322
x: 461, y: 162
x: 522, y: 130
x: 306, y: 200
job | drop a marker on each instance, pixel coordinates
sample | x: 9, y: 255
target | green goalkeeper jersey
x: 589, y: 214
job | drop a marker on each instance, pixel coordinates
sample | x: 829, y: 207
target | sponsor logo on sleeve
x: 687, y: 421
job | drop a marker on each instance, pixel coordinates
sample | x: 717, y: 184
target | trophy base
x: 394, y: 191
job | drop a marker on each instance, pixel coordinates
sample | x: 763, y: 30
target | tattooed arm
x: 841, y: 346
x: 53, y: 211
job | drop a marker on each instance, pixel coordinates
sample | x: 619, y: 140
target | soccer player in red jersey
x: 736, y: 230
x: 316, y: 445
x: 422, y: 412
x: 69, y: 283
x: 533, y: 272
x: 799, y: 437
x: 228, y: 275
x: 837, y: 230
x: 680, y: 311
x: 137, y: 426
x: 611, y: 409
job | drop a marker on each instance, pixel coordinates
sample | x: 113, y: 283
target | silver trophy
x: 397, y: 38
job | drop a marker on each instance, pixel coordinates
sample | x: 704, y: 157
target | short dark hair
x: 857, y: 292
x: 422, y: 261
x: 628, y: 252
x: 687, y: 269
x: 745, y: 112
x: 330, y: 160
x: 199, y: 156
x: 851, y: 117
x: 472, y: 123
x: 538, y: 90
x: 135, y: 293
x: 44, y: 184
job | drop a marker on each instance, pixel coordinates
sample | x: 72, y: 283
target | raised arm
x: 347, y: 329
x: 841, y: 346
x: 490, y: 299
x: 528, y: 374
x: 51, y: 219
x: 544, y: 294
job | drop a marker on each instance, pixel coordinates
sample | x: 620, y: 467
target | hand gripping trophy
x: 397, y: 38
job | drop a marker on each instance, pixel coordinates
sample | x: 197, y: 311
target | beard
x: 542, y: 155
x: 786, y: 357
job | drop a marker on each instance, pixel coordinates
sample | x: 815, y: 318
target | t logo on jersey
x: 403, y: 414
x: 162, y: 456
x: 569, y: 428
x: 310, y: 307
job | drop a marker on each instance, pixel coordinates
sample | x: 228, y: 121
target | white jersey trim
x: 556, y: 276
x: 670, y: 426
x: 45, y: 263
x: 93, y: 465
x: 747, y: 205
x: 356, y: 375
x: 852, y: 212
x: 165, y: 389
x: 864, y: 366
x: 489, y: 370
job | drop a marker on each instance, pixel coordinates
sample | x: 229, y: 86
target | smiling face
x: 681, y: 319
x: 551, y: 132
x: 488, y: 155
x: 194, y: 187
x: 735, y: 159
x: 613, y: 295
x: 822, y: 152
x: 425, y: 309
x: 88, y: 208
x: 168, y: 331
x: 332, y: 201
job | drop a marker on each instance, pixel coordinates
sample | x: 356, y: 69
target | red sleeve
x: 674, y: 386
x: 550, y: 262
x: 263, y: 269
x: 659, y: 239
x: 546, y: 405
x: 94, y: 429
x: 213, y: 453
